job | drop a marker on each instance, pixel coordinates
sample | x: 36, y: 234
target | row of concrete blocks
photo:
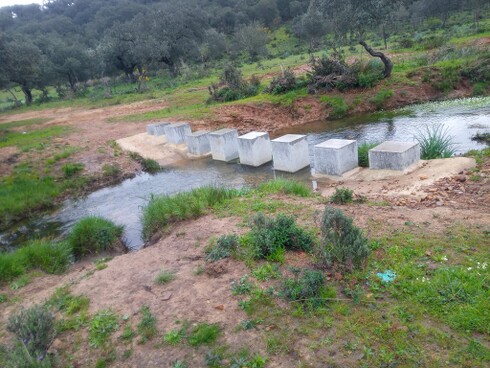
x: 289, y: 152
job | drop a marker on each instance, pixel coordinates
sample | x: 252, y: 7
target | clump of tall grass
x: 435, y: 142
x: 285, y: 186
x: 363, y: 153
x: 44, y: 255
x: 164, y: 210
x: 92, y: 235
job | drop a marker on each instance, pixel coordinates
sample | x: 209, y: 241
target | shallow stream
x: 123, y: 203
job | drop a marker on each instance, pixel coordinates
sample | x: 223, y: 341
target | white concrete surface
x: 335, y: 157
x: 254, y: 149
x: 290, y: 153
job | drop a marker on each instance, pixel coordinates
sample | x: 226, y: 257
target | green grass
x: 92, y: 235
x: 339, y: 107
x: 175, y: 336
x: 22, y: 123
x: 71, y: 169
x: 285, y: 186
x: 363, y: 153
x: 102, y: 326
x: 204, y: 334
x: 62, y: 300
x: 436, y: 142
x: 43, y: 255
x: 147, y: 328
x: 23, y: 195
x: 164, y: 277
x: 165, y: 210
x: 28, y: 140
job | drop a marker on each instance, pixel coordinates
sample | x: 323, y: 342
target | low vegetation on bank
x: 311, y: 279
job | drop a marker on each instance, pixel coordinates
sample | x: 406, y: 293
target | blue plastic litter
x: 387, y: 276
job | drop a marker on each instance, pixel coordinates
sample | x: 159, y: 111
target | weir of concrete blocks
x: 290, y: 153
x: 254, y: 149
x: 156, y: 129
x: 224, y: 144
x: 198, y: 143
x: 392, y: 155
x: 176, y: 133
x: 335, y: 157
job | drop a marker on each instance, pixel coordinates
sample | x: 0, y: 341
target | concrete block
x: 254, y: 149
x: 335, y: 157
x: 224, y: 144
x: 176, y: 133
x: 156, y: 129
x: 290, y: 153
x: 392, y: 155
x: 198, y: 143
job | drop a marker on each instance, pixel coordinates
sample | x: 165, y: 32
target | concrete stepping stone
x: 224, y: 144
x: 156, y: 129
x: 176, y: 133
x: 254, y: 149
x: 335, y: 157
x: 290, y: 153
x: 392, y: 155
x: 198, y: 143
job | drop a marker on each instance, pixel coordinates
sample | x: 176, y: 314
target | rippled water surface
x: 123, y: 203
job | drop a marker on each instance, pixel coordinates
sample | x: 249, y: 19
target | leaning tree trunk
x: 386, y: 61
x: 28, y: 94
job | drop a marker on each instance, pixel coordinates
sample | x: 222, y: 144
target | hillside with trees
x: 58, y: 47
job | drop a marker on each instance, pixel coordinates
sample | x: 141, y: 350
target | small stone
x: 460, y: 178
x: 423, y: 177
x: 220, y: 307
x: 166, y: 296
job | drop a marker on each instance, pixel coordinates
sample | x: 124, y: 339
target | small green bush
x: 164, y: 210
x: 435, y: 142
x: 343, y: 243
x: 34, y: 327
x: 223, y: 248
x: 270, y: 235
x: 111, y: 170
x: 342, y: 196
x: 241, y: 287
x: 363, y: 153
x: 480, y: 89
x: 307, y: 286
x: 70, y: 170
x: 147, y: 328
x: 175, y: 336
x: 92, y: 235
x: 102, y: 326
x: 204, y: 333
x: 266, y: 272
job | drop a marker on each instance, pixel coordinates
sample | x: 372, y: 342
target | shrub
x: 363, y: 153
x: 435, y: 142
x: 328, y: 73
x: 342, y: 196
x: 285, y: 82
x: 204, y: 333
x: 147, y: 327
x: 111, y: 170
x: 63, y: 300
x: 70, y: 170
x: 369, y: 74
x: 34, y: 327
x: 232, y: 86
x: 480, y: 89
x: 164, y: 210
x: 272, y: 235
x: 102, y: 326
x: 175, y: 336
x: 164, y: 277
x: 92, y: 235
x: 307, y: 286
x: 343, y: 243
x: 266, y: 272
x: 223, y: 248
